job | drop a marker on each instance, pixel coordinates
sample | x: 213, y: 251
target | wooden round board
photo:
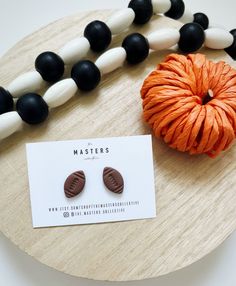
x: 196, y: 195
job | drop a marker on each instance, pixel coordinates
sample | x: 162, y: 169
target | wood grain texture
x: 196, y: 196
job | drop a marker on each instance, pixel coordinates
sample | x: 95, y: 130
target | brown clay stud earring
x: 74, y: 184
x: 113, y: 180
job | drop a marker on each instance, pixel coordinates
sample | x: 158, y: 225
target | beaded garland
x: 49, y: 66
x: 86, y: 75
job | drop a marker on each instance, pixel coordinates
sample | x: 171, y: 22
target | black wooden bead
x: 176, y: 10
x: 232, y: 49
x: 191, y: 37
x: 98, y: 35
x: 6, y: 101
x: 136, y: 47
x: 32, y: 108
x: 50, y: 66
x: 143, y: 10
x: 86, y: 75
x: 201, y: 19
x: 233, y: 32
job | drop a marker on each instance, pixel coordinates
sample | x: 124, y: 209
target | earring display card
x: 50, y: 164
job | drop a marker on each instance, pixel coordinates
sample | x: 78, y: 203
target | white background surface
x: 20, y: 18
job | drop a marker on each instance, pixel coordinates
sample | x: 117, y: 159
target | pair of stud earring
x: 75, y: 182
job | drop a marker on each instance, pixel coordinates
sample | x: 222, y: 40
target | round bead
x: 98, y: 35
x: 143, y: 10
x: 6, y: 101
x: 201, y: 19
x: 86, y: 75
x: 232, y: 49
x: 177, y: 9
x: 50, y: 66
x: 32, y: 108
x: 233, y: 32
x: 191, y: 37
x: 136, y: 47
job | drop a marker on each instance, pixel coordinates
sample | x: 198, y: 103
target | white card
x: 50, y: 163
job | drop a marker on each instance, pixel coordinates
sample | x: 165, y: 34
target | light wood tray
x: 196, y: 196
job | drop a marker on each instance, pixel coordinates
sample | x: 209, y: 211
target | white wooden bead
x: 161, y: 6
x: 10, y: 122
x: 60, y: 92
x: 163, y: 39
x: 28, y: 82
x: 74, y: 50
x: 217, y: 38
x: 121, y: 20
x: 187, y: 17
x: 111, y: 60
